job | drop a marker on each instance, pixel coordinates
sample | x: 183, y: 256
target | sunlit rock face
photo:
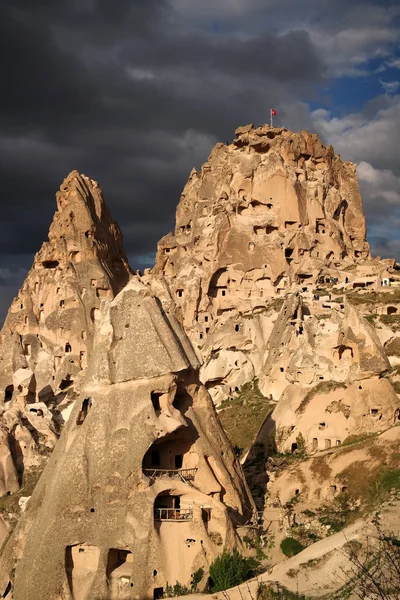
x: 269, y: 213
x: 48, y: 332
x: 143, y: 487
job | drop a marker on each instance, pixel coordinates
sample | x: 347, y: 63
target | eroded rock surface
x: 143, y: 486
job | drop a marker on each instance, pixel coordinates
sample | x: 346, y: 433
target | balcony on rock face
x: 172, y: 457
x: 184, y: 475
x: 168, y: 508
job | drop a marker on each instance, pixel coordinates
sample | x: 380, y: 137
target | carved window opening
x: 86, y: 406
x: 50, y: 264
x: 66, y: 383
x: 158, y: 593
x: 68, y: 347
x: 155, y: 400
x: 119, y: 567
x: 8, y: 393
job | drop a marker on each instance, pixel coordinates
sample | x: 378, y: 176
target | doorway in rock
x: 158, y: 593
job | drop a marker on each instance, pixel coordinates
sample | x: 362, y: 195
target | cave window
x: 7, y: 590
x: 68, y: 347
x: 315, y: 443
x: 374, y: 411
x: 206, y: 318
x: 223, y: 292
x: 294, y: 447
x: 50, y: 264
x: 360, y: 387
x: 26, y: 319
x: 237, y: 327
x: 328, y: 444
x: 338, y: 442
x: 117, y: 558
x: 158, y: 593
x: 179, y: 293
x: 155, y: 400
x: 62, y: 303
x: 65, y: 383
x: 178, y: 461
x: 201, y: 336
x: 344, y: 488
x: 322, y: 425
x: 8, y: 393
x: 27, y: 349
x: 391, y: 310
x: 155, y: 458
x: 207, y: 329
x: 281, y: 369
x: 86, y: 406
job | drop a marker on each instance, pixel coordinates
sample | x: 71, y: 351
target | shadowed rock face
x: 142, y: 487
x: 48, y: 332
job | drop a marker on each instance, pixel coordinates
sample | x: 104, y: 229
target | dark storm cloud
x: 111, y: 89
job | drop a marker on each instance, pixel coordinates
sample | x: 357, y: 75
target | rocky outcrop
x: 49, y: 328
x: 142, y: 487
x: 271, y: 212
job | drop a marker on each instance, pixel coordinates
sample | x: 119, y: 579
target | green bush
x: 230, y: 569
x: 290, y: 547
x: 178, y: 589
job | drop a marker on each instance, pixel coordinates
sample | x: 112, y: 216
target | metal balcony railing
x: 183, y: 474
x: 173, y: 514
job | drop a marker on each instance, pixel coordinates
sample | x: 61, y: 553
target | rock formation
x: 48, y: 331
x: 272, y: 211
x: 143, y: 487
x: 267, y: 285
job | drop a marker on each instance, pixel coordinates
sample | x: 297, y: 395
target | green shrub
x: 290, y: 547
x: 230, y: 569
x: 276, y: 591
x: 178, y: 589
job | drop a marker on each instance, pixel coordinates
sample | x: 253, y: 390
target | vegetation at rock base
x: 172, y: 591
x: 230, y: 569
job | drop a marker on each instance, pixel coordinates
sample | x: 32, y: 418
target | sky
x: 134, y: 93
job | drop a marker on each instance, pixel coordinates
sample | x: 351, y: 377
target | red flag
x: 273, y: 112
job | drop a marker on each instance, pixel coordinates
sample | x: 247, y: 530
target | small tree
x: 290, y: 547
x: 230, y: 569
x: 374, y: 572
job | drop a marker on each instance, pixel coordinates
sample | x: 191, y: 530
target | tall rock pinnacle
x: 49, y: 327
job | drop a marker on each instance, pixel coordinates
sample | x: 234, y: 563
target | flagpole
x: 270, y: 111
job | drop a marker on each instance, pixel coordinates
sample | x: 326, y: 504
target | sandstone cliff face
x: 143, y: 487
x: 271, y: 212
x: 48, y: 331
